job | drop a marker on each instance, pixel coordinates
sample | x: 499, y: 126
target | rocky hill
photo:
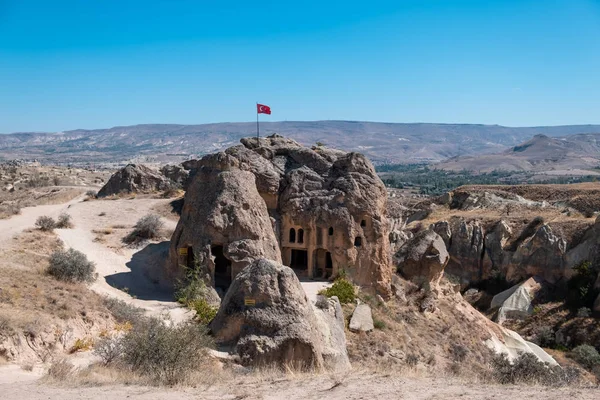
x: 380, y: 142
x: 566, y: 155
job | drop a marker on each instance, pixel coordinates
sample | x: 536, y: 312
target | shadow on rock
x: 144, y: 280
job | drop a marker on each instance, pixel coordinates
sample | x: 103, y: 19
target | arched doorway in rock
x: 222, y: 268
x: 323, y: 264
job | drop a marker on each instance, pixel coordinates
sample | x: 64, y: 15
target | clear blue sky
x: 67, y: 64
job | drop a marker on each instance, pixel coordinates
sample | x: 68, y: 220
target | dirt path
x: 123, y: 270
x: 353, y: 386
x: 122, y: 274
x: 26, y: 219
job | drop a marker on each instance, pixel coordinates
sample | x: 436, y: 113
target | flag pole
x: 257, y: 127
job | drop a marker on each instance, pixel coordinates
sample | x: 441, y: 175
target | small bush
x: 586, y: 355
x: 581, y: 291
x: 191, y: 289
x: 71, y: 266
x: 91, y: 194
x: 167, y: 354
x: 528, y: 369
x: 343, y: 289
x: 459, y: 352
x: 124, y: 312
x: 379, y: 324
x: 45, y: 223
x: 204, y: 311
x: 82, y: 345
x: 64, y: 221
x: 109, y: 349
x: 412, y: 360
x: 60, y: 369
x: 545, y: 337
x: 584, y: 312
x: 148, y: 227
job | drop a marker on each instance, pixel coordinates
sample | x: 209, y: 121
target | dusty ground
x: 355, y: 385
x: 128, y: 274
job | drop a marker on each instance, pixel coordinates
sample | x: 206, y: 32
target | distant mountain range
x: 567, y: 155
x: 381, y: 142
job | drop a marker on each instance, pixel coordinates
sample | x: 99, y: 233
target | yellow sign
x: 183, y: 251
x: 249, y: 302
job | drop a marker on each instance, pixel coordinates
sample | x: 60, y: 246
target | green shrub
x: 379, y: 324
x: 581, y: 292
x: 545, y: 337
x: 204, y: 311
x: 71, y: 266
x: 343, y: 289
x: 45, y: 223
x: 586, y: 355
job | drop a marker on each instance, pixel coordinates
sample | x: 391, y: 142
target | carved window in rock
x: 363, y: 223
x: 300, y: 235
x: 319, y: 237
x: 357, y: 241
x: 292, y: 235
x: 331, y: 231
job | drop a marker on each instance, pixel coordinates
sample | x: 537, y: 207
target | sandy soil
x: 127, y: 272
x: 123, y: 275
x: 353, y: 386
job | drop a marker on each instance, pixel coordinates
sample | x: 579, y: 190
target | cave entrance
x: 299, y: 261
x: 190, y: 260
x: 222, y: 268
x: 323, y: 264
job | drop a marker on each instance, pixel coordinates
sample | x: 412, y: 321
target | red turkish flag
x: 262, y: 109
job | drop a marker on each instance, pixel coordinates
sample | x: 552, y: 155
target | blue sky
x: 94, y: 64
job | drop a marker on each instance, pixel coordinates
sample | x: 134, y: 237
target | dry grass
x: 34, y: 305
x: 12, y: 202
x: 423, y: 342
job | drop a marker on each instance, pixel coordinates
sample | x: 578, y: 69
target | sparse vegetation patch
x: 71, y: 266
x: 343, y: 289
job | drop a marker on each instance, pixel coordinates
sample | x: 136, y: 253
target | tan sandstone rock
x: 423, y: 258
x: 279, y: 327
x: 224, y: 224
x: 318, y: 210
x: 135, y: 178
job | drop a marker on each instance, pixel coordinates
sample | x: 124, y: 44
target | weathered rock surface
x: 362, y: 319
x: 423, y: 258
x: 281, y: 328
x: 330, y: 325
x: 177, y: 174
x: 512, y: 345
x: 477, y: 254
x: 135, y: 178
x: 326, y: 210
x: 515, y: 303
x: 222, y: 213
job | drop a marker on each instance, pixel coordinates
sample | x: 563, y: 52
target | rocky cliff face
x: 317, y: 210
x: 491, y: 232
x: 135, y: 178
x: 224, y: 224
